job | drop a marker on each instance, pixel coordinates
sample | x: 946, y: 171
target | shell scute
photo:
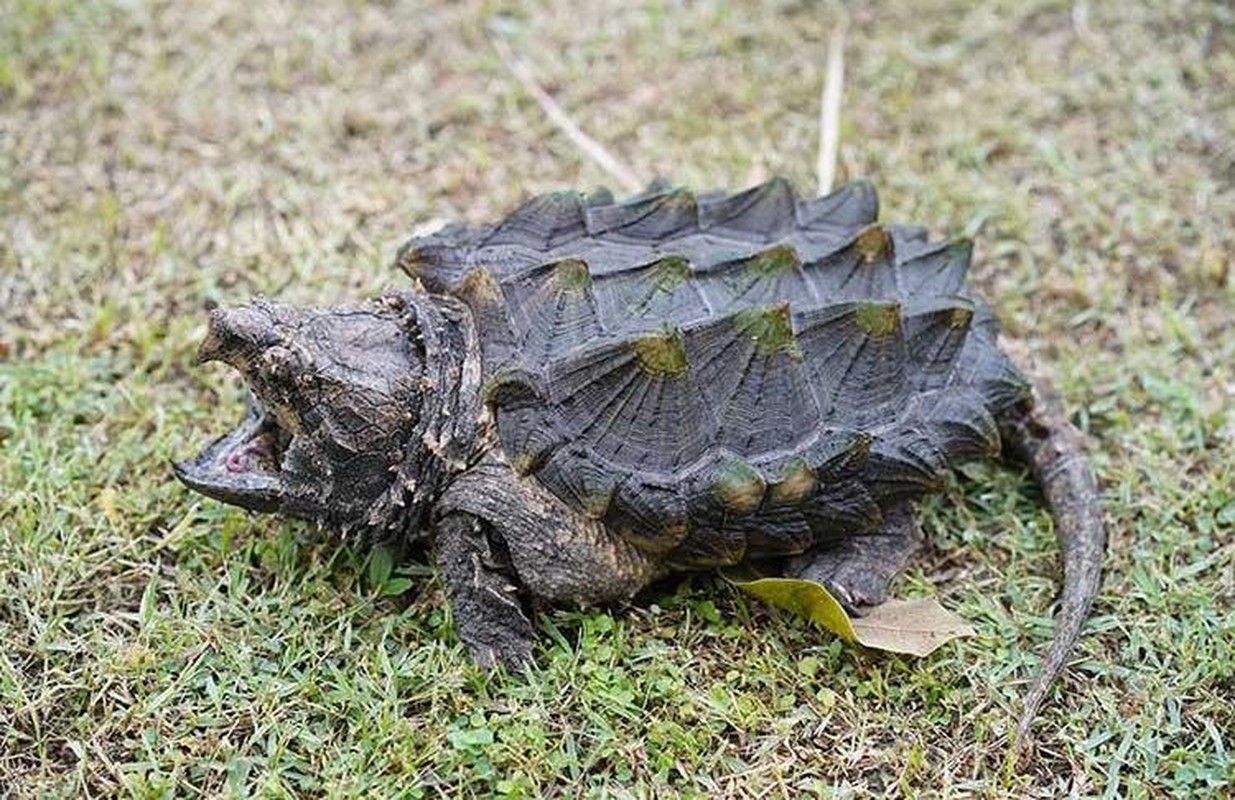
x: 650, y: 295
x: 655, y: 218
x: 543, y: 222
x: 764, y: 212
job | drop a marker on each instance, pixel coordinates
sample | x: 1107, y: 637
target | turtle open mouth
x: 242, y: 467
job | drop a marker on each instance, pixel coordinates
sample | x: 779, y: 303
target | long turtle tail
x: 1039, y: 434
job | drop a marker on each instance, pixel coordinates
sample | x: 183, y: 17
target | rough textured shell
x: 721, y: 377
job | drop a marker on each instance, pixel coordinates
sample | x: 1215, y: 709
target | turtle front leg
x: 859, y: 570
x: 505, y: 542
x: 484, y: 591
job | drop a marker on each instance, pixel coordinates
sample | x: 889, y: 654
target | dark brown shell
x: 722, y: 377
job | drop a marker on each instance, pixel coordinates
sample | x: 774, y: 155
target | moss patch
x: 873, y: 244
x: 738, y: 486
x: 878, y: 319
x: 774, y: 260
x: 663, y: 355
x: 771, y: 328
x: 571, y: 275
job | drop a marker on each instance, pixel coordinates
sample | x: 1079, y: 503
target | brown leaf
x: 916, y: 627
x: 913, y: 627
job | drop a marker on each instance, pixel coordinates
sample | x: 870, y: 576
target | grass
x: 159, y: 157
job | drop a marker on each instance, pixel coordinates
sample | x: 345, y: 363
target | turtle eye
x: 282, y: 384
x: 281, y: 364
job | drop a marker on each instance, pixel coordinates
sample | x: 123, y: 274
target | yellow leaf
x: 913, y: 627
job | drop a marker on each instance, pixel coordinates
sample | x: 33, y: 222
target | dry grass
x: 159, y: 157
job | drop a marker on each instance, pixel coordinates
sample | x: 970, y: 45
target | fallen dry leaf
x: 914, y: 627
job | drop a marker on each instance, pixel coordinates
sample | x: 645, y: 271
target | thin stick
x: 1080, y: 23
x: 829, y: 108
x: 590, y: 147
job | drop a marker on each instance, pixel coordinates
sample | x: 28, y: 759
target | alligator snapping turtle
x: 591, y: 394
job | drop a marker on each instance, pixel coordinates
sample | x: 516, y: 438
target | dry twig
x: 591, y: 148
x: 1080, y: 24
x: 829, y: 108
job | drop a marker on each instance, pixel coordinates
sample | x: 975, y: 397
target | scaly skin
x: 1041, y: 436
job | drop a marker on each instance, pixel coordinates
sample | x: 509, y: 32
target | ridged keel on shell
x: 727, y: 377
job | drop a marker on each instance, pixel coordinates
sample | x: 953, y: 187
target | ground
x: 157, y: 158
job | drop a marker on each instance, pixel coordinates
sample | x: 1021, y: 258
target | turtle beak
x: 212, y: 347
x: 242, y: 467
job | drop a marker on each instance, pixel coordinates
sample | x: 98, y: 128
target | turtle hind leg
x: 858, y: 570
x: 485, y: 593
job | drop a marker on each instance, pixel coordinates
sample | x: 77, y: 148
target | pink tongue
x: 247, y: 457
x: 236, y: 461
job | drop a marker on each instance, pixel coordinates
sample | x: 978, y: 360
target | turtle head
x: 343, y: 406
